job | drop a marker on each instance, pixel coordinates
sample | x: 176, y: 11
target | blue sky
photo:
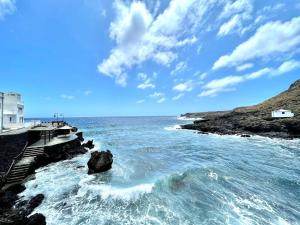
x: 153, y: 57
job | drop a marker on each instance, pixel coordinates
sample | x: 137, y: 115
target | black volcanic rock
x: 100, y: 162
x: 254, y: 119
x: 89, y: 144
x: 36, y: 219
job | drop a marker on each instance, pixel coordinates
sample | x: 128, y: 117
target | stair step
x: 17, y: 172
x: 21, y: 166
x: 34, y: 150
x: 17, y: 177
x: 14, y: 179
x: 33, y: 153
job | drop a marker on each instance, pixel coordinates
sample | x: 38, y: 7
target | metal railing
x: 15, y: 159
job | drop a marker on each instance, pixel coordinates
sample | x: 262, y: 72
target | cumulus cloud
x: 7, y: 7
x: 141, y: 36
x: 185, y: 86
x: 269, y: 40
x: 227, y: 83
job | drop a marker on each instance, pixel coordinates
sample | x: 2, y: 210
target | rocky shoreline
x: 239, y: 124
x: 13, y: 211
x: 253, y: 120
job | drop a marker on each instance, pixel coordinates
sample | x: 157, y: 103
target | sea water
x: 164, y: 175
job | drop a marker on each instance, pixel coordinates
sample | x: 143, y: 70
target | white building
x: 282, y: 113
x: 12, y: 116
x: 1, y: 110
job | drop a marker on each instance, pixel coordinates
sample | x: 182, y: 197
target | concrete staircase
x: 21, y: 169
x: 33, y: 151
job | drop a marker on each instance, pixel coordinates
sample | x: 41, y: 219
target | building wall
x: 11, y: 145
x: 13, y: 115
x: 282, y: 114
x: 1, y: 111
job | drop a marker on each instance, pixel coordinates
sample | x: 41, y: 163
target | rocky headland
x: 13, y: 211
x: 254, y: 120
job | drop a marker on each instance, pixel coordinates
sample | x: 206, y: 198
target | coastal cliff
x: 254, y: 119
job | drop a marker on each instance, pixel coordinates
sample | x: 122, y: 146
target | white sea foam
x: 108, y: 192
x: 174, y: 127
x: 187, y: 118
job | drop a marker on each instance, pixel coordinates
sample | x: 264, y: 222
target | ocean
x: 164, y: 175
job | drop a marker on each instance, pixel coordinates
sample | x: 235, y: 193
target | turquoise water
x: 162, y: 175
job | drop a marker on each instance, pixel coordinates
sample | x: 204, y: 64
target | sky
x: 142, y: 58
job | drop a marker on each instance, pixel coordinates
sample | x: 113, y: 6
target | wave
x: 187, y: 118
x: 174, y: 127
x: 108, y: 192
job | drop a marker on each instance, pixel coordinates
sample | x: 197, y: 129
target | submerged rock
x: 100, y: 162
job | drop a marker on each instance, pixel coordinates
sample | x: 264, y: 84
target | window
x: 283, y: 113
x: 10, y: 119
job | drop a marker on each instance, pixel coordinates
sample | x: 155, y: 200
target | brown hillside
x: 289, y: 99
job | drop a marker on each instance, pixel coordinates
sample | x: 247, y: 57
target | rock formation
x: 100, y: 162
x: 254, y: 119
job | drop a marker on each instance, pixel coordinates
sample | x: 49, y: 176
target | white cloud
x: 140, y: 101
x: 161, y: 100
x: 258, y: 73
x: 272, y: 8
x: 227, y: 83
x: 270, y: 39
x: 180, y: 67
x: 156, y: 95
x: 178, y: 96
x: 237, y: 7
x: 147, y: 84
x: 228, y: 27
x: 201, y: 75
x: 235, y: 13
x: 184, y: 87
x: 68, y: 97
x: 224, y: 82
x: 142, y: 76
x: 7, y: 7
x: 87, y: 92
x: 147, y: 81
x: 244, y: 67
x: 286, y: 67
x: 140, y: 36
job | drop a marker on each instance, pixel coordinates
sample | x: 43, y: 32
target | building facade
x: 12, y: 116
x: 1, y: 110
x: 282, y: 113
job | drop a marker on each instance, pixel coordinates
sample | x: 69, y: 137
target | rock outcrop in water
x: 18, y: 214
x: 89, y: 144
x: 254, y: 119
x: 100, y: 162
